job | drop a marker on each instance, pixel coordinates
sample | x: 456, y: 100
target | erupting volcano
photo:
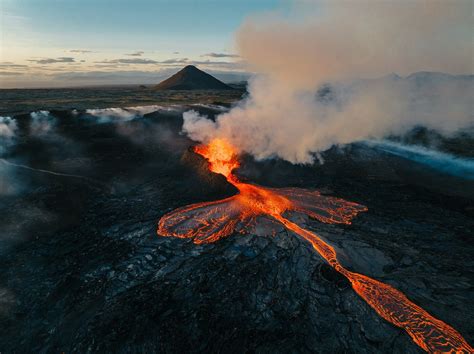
x: 207, y: 222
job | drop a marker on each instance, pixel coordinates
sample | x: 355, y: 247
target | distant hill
x: 191, y: 78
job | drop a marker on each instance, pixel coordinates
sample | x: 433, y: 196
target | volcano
x: 208, y: 222
x: 191, y: 78
x: 82, y: 266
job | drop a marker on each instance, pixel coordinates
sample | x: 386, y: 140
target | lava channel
x: 209, y: 221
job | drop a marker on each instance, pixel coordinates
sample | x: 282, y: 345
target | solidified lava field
x: 84, y: 271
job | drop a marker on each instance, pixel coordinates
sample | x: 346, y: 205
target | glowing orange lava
x: 210, y: 221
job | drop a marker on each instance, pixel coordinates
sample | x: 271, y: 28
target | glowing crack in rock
x: 209, y: 221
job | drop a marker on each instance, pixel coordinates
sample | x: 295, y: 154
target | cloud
x: 221, y: 64
x: 136, y: 54
x: 342, y: 39
x: 175, y: 61
x: 11, y: 65
x: 228, y: 65
x: 128, y: 61
x: 108, y: 65
x: 80, y: 51
x: 53, y: 60
x: 220, y: 55
x: 52, y: 69
x: 337, y: 42
x: 10, y: 73
x: 175, y: 52
x: 172, y: 61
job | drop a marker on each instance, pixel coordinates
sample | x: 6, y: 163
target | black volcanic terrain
x: 83, y: 269
x: 191, y: 78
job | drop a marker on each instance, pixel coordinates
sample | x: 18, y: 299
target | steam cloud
x: 108, y: 115
x: 337, y: 43
x: 42, y: 123
x: 8, y: 129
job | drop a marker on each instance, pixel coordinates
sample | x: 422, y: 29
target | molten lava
x: 210, y: 221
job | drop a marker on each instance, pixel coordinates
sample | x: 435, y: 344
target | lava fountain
x: 209, y: 221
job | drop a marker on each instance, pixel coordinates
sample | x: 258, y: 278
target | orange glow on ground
x: 208, y: 222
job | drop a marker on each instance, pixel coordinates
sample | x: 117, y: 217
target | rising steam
x: 8, y: 128
x: 337, y: 43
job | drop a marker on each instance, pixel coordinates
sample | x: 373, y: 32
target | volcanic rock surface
x: 191, y: 78
x: 84, y: 271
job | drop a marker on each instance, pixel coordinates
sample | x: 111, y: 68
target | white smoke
x: 338, y: 42
x: 115, y: 114
x: 42, y: 123
x: 8, y: 128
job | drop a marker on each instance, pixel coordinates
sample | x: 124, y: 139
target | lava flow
x: 210, y: 221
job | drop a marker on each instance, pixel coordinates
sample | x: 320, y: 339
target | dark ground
x: 84, y: 271
x: 19, y: 101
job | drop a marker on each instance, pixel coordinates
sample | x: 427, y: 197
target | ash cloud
x: 338, y: 42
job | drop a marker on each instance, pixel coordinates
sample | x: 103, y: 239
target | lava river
x: 209, y: 221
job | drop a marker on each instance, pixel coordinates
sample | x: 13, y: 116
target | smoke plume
x: 337, y: 43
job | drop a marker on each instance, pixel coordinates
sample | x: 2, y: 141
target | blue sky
x: 45, y: 42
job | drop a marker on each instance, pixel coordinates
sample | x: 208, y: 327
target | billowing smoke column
x: 337, y: 43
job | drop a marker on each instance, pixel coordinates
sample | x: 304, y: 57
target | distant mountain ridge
x: 420, y: 78
x: 423, y: 88
x: 191, y: 78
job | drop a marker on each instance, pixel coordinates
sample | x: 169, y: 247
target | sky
x: 61, y: 43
